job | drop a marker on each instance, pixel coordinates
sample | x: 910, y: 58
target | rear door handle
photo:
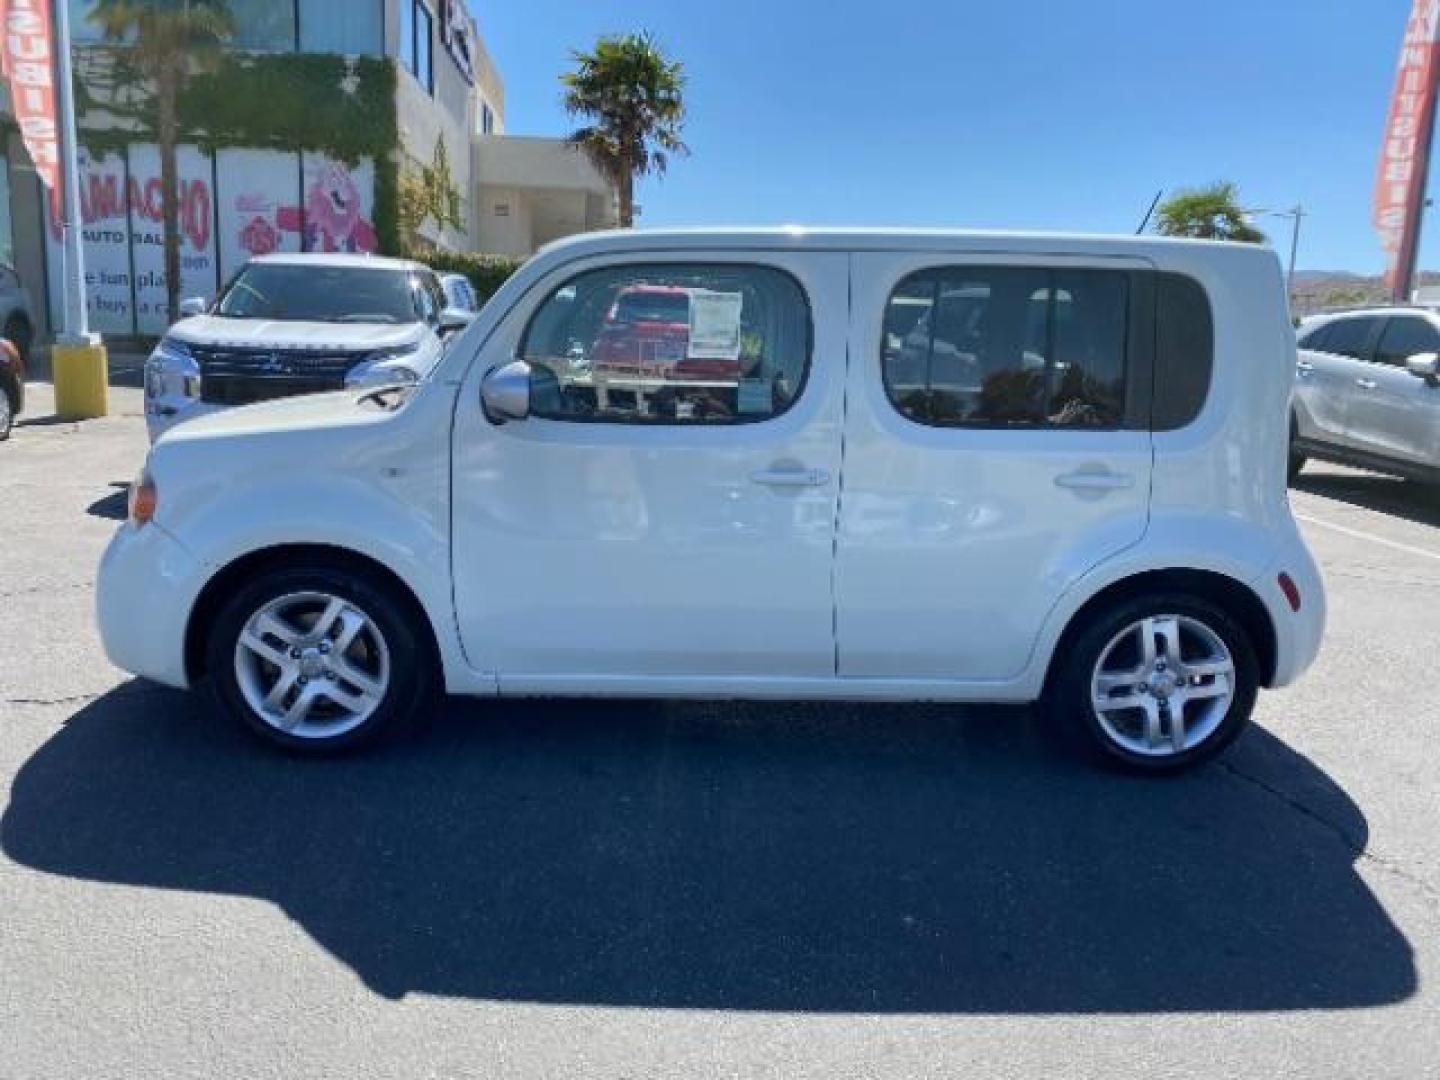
x: 791, y: 478
x: 1095, y: 481
x: 1366, y: 384
x: 1305, y: 367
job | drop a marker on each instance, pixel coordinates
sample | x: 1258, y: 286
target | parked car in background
x: 460, y: 293
x: 1367, y: 392
x: 12, y: 386
x: 299, y: 324
x: 17, y: 324
x: 1094, y: 517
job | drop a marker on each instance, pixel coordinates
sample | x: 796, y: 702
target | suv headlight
x: 172, y: 370
x: 388, y: 368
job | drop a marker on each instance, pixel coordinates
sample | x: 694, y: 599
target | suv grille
x: 242, y: 376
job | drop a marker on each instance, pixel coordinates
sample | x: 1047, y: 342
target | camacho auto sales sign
x: 27, y: 62
x: 1400, y: 188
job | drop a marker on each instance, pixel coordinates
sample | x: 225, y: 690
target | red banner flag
x: 1405, y: 155
x: 27, y: 60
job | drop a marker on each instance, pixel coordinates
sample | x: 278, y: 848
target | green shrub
x: 486, y: 272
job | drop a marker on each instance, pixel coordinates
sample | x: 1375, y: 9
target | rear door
x: 1330, y: 366
x: 1393, y: 413
x: 992, y: 453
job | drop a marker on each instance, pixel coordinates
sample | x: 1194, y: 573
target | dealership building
x: 367, y: 125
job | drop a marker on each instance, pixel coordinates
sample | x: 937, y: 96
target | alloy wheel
x: 312, y: 665
x: 1163, y: 685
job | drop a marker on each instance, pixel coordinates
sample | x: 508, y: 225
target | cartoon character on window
x: 333, y: 221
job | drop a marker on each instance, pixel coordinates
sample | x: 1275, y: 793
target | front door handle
x: 791, y: 478
x: 1366, y: 384
x: 1095, y: 480
x: 1305, y: 368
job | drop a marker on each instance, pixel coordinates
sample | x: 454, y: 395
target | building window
x: 487, y: 119
x: 417, y: 28
x: 358, y: 32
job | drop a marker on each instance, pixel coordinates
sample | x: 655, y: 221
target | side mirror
x: 454, y: 319
x: 192, y: 306
x: 505, y: 393
x: 1424, y: 365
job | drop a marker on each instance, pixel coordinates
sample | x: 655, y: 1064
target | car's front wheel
x: 320, y: 660
x: 1158, y: 684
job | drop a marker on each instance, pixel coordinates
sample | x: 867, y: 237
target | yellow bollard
x: 82, y: 381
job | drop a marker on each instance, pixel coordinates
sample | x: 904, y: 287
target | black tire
x: 7, y: 412
x: 1069, y: 700
x: 412, y: 663
x: 20, y: 334
x: 1296, y: 460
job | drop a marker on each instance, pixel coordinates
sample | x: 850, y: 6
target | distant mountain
x: 1318, y: 291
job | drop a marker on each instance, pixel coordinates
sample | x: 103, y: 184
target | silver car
x: 1367, y: 392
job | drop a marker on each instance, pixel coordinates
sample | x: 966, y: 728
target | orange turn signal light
x: 144, y: 499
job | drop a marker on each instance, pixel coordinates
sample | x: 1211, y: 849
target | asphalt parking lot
x: 638, y: 890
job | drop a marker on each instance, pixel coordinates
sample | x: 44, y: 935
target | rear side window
x: 1316, y: 339
x: 1406, y: 336
x: 1350, y: 337
x: 670, y: 344
x: 1184, y: 351
x: 1008, y: 347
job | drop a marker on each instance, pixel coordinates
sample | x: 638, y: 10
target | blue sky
x: 1051, y: 114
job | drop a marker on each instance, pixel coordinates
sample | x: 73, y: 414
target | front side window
x: 671, y: 344
x: 1008, y: 347
x: 1406, y: 336
x: 1350, y: 337
x: 319, y: 294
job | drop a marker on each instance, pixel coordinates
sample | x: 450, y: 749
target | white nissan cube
x: 875, y: 466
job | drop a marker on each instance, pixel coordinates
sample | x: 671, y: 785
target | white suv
x: 838, y: 465
x: 1367, y: 392
x: 299, y: 324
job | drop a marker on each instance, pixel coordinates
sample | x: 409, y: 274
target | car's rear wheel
x: 318, y: 660
x: 1158, y: 684
x: 7, y: 413
x: 1296, y: 460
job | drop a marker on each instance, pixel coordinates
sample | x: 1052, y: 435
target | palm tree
x: 634, y: 98
x: 166, y: 40
x: 1208, y: 213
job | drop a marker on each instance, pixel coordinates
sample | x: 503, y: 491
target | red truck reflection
x: 647, y: 333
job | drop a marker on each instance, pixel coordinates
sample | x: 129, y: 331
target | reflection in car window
x: 671, y: 344
x: 1406, y: 336
x: 1004, y: 346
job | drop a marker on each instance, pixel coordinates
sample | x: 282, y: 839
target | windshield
x: 320, y: 294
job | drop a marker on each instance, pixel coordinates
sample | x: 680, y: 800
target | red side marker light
x: 1290, y: 589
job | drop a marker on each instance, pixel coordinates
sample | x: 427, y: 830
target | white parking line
x: 1369, y: 537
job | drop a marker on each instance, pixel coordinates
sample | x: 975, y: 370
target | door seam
x: 840, y: 479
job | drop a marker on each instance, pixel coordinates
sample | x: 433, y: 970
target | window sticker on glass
x: 715, y: 319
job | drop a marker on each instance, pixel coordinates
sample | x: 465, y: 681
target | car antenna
x: 1153, y: 204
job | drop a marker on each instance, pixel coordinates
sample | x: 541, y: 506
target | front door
x: 667, y: 512
x: 992, y: 455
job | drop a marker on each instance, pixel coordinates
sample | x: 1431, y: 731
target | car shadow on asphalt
x: 813, y: 858
x: 1382, y: 494
x: 114, y: 506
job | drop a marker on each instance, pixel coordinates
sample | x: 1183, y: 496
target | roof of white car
x: 1377, y: 311
x: 316, y: 258
x: 882, y: 239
